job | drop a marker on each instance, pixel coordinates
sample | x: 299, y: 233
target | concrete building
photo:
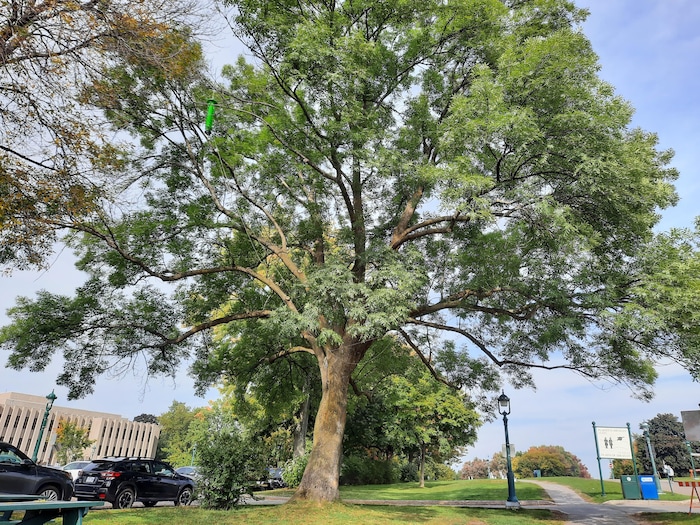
x: 21, y: 416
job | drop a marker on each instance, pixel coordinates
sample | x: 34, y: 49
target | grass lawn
x: 668, y: 518
x: 477, y: 489
x: 340, y: 514
x: 307, y: 514
x: 472, y: 490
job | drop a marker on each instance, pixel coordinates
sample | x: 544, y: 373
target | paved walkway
x: 616, y: 512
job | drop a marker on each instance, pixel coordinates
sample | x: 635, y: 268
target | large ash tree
x: 452, y: 176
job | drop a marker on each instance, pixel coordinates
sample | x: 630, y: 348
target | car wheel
x: 50, y: 493
x: 184, y: 497
x: 125, y: 498
x: 149, y: 503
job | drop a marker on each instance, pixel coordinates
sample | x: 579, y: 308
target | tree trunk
x: 321, y: 477
x: 302, y: 425
x: 422, y: 467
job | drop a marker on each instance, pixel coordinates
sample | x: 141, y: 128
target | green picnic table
x: 38, y: 512
x: 4, y: 496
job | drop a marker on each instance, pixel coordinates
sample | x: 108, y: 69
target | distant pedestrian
x: 668, y: 470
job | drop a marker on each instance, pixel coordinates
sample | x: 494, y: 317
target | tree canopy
x: 452, y: 176
x: 57, y: 155
x: 550, y: 461
x: 668, y: 444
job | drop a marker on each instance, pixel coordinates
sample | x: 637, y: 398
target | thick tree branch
x: 492, y: 356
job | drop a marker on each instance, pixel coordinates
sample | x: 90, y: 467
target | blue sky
x: 649, y: 51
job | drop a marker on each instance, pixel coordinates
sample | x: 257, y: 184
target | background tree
x: 498, y: 465
x: 622, y: 467
x: 667, y: 438
x: 412, y: 169
x: 398, y: 416
x: 146, y: 418
x: 71, y: 441
x: 229, y: 464
x: 475, y: 469
x: 174, y: 445
x: 430, y: 419
x: 550, y: 461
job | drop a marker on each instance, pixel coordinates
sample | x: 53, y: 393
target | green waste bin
x: 630, y: 487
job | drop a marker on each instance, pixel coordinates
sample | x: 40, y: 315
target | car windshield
x: 8, y: 455
x: 75, y: 465
x: 100, y: 466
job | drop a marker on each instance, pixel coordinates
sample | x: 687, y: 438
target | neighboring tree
x: 397, y: 412
x: 416, y: 170
x: 429, y: 419
x: 174, y: 445
x: 71, y: 441
x: 498, y: 465
x: 622, y: 467
x: 550, y: 461
x: 667, y: 439
x: 146, y: 418
x: 475, y: 469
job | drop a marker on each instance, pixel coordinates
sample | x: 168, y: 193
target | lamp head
x: 52, y: 397
x: 503, y: 404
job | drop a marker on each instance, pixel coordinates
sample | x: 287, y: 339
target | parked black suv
x: 122, y: 481
x: 21, y: 475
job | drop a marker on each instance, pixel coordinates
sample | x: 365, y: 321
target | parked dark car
x: 20, y: 475
x: 123, y: 481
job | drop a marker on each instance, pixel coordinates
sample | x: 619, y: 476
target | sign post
x: 613, y: 443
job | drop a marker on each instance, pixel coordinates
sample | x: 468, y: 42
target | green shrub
x: 408, y: 472
x: 440, y: 472
x: 229, y: 464
x: 358, y: 470
x: 294, y: 470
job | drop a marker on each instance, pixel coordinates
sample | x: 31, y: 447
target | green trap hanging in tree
x: 211, y: 103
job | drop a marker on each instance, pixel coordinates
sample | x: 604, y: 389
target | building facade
x: 21, y: 416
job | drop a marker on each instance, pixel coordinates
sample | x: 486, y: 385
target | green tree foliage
x: 550, y: 461
x: 429, y: 419
x: 667, y: 439
x: 71, y: 441
x: 229, y: 465
x: 146, y: 418
x: 174, y: 444
x: 55, y: 159
x: 399, y: 413
x: 622, y: 467
x: 414, y: 169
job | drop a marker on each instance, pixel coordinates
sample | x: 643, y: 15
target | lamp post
x: 51, y: 397
x: 504, y: 409
x: 650, y: 449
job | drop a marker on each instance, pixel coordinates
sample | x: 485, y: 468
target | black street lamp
x: 504, y: 409
x: 51, y: 397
